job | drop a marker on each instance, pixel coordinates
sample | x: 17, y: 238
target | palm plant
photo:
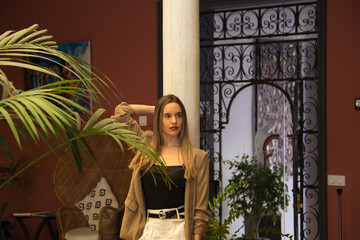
x: 43, y: 114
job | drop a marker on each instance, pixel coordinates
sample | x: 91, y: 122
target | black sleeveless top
x: 159, y: 196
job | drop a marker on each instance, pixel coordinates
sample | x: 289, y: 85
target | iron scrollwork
x: 275, y: 49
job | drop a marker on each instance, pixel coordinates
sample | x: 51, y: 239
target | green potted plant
x: 43, y: 114
x: 254, y: 191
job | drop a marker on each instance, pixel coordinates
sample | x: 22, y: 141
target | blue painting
x: 34, y: 79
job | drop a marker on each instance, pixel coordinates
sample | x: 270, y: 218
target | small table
x: 46, y: 217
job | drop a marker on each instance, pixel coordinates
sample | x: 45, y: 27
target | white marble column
x: 181, y: 58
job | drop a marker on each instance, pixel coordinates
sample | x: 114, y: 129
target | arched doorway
x: 273, y: 49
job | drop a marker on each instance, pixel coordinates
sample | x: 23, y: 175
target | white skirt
x: 164, y: 229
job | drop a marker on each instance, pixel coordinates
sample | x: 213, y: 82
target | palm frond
x: 75, y: 142
x: 17, y: 49
x: 44, y: 114
x: 40, y: 108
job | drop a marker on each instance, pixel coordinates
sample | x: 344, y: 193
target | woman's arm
x: 142, y: 109
x: 197, y: 237
x: 124, y: 113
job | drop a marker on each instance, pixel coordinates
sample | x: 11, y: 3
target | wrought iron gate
x: 273, y: 48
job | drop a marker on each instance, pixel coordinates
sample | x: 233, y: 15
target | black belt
x: 167, y: 214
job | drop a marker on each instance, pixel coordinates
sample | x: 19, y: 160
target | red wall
x: 123, y: 36
x: 343, y: 122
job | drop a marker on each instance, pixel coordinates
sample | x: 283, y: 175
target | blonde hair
x: 142, y: 162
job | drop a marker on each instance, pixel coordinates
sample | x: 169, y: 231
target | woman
x: 152, y: 210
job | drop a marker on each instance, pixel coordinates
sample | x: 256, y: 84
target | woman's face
x: 171, y: 120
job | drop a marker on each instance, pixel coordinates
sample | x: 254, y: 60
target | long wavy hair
x: 157, y: 140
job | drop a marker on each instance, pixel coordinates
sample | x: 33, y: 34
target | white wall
x: 237, y: 139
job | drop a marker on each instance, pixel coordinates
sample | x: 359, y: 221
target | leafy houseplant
x: 254, y: 191
x: 44, y: 115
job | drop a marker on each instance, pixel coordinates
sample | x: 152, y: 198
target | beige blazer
x: 197, y: 214
x: 196, y: 203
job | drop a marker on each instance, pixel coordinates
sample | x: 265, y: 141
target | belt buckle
x: 162, y: 214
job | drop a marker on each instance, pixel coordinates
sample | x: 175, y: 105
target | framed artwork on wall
x: 34, y: 79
